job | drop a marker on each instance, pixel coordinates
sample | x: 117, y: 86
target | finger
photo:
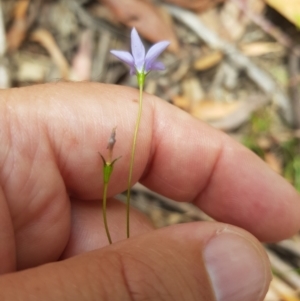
x: 187, y: 262
x: 177, y: 155
x: 88, y: 233
x: 51, y: 135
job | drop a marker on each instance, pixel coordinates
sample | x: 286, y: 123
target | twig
x: 46, y: 39
x: 17, y: 31
x: 237, y: 59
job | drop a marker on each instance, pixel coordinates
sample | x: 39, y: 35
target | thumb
x: 197, y: 261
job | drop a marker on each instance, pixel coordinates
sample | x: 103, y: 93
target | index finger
x: 177, y: 155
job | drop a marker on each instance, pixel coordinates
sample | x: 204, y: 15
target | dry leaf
x: 193, y: 90
x: 212, y: 19
x: 272, y: 295
x: 212, y: 110
x: 45, y: 38
x: 17, y: 31
x: 288, y: 298
x: 234, y: 21
x: 285, y: 292
x: 148, y: 20
x: 30, y: 72
x: 181, y: 102
x: 273, y: 162
x: 208, y: 61
x: 197, y: 5
x: 261, y: 48
x: 191, y: 96
x: 288, y: 8
x: 240, y: 114
x: 230, y: 23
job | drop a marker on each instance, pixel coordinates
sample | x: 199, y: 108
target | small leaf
x: 103, y: 160
x: 107, y: 171
x: 114, y: 161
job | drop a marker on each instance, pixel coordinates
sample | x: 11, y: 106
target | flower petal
x: 124, y: 56
x: 153, y: 54
x: 138, y: 50
x: 132, y: 71
x: 155, y: 66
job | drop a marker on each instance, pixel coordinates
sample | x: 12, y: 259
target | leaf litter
x: 233, y: 64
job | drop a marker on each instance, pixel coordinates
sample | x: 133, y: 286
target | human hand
x: 51, y: 185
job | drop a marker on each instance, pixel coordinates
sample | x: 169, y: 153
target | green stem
x: 132, y: 157
x: 104, y: 212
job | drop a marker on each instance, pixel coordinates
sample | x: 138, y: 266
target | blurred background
x: 232, y: 63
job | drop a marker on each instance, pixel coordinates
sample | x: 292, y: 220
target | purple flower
x: 140, y: 62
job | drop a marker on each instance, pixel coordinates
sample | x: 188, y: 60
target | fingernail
x: 236, y: 268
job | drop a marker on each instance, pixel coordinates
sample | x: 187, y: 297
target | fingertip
x: 251, y: 196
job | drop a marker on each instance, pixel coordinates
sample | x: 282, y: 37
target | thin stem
x: 132, y: 158
x: 104, y: 212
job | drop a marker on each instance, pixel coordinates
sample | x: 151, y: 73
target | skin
x: 51, y: 177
